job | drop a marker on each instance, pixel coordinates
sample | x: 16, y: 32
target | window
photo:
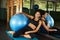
x: 26, y: 4
x: 50, y: 6
x: 58, y: 7
x: 42, y: 4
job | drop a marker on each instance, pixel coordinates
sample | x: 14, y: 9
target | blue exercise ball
x: 50, y: 20
x: 18, y: 21
x: 36, y: 7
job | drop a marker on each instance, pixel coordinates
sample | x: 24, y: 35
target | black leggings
x: 18, y: 33
x: 32, y: 36
x: 22, y: 31
x: 38, y: 35
x: 50, y: 32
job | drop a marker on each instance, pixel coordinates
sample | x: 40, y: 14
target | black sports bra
x: 34, y: 22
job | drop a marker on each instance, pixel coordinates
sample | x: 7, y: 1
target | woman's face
x: 37, y: 15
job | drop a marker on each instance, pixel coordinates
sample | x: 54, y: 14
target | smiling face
x: 37, y: 15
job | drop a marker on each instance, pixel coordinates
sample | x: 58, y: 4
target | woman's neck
x: 36, y: 19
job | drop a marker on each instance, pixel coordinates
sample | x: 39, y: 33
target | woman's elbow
x: 31, y: 17
x: 47, y: 29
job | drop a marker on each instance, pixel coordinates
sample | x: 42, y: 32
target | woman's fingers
x: 55, y: 29
x: 26, y: 32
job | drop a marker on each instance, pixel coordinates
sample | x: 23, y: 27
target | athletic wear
x: 22, y: 31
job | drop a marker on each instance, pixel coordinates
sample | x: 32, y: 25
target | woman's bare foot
x: 27, y: 36
x: 12, y: 32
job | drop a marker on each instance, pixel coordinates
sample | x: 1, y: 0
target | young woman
x: 47, y: 27
x: 43, y: 16
x: 45, y: 24
x: 32, y: 27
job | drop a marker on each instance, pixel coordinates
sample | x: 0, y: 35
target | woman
x: 45, y: 24
x: 32, y: 28
x: 43, y: 16
x: 47, y: 27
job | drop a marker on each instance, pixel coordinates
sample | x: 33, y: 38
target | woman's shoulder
x: 42, y: 19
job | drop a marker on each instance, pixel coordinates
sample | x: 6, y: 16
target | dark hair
x: 42, y: 12
x: 37, y: 11
x: 36, y: 7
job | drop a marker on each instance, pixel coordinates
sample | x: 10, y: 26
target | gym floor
x: 3, y: 35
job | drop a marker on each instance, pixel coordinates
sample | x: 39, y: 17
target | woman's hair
x: 42, y: 12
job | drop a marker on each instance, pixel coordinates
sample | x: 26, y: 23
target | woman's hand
x: 54, y: 29
x: 26, y: 32
x: 40, y: 22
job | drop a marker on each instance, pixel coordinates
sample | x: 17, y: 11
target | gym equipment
x: 50, y: 20
x: 18, y: 21
x: 36, y: 7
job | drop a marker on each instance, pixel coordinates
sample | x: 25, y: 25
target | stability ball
x: 50, y: 20
x: 36, y: 7
x: 18, y: 21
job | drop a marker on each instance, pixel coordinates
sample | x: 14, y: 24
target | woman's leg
x: 27, y: 36
x: 16, y: 34
x: 55, y: 32
x: 56, y: 28
x: 12, y: 32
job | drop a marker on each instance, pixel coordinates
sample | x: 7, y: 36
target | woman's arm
x: 48, y: 25
x: 29, y: 16
x: 44, y: 23
x: 36, y: 29
x: 47, y: 28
